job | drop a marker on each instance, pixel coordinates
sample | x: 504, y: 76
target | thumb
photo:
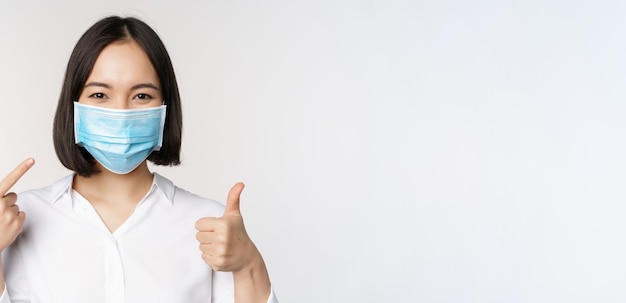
x: 232, y: 202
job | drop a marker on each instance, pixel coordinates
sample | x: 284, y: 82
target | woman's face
x: 122, y: 78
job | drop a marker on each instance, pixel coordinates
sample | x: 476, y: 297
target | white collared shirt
x: 66, y: 254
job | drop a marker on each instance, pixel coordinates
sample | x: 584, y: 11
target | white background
x: 393, y: 151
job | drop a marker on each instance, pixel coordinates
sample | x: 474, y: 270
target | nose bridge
x: 121, y: 101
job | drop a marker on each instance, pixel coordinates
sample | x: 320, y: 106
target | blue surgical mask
x: 119, y: 139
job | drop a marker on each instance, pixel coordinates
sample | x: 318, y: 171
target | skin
x: 11, y: 218
x: 124, y: 78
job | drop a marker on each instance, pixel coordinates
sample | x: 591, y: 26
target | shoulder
x: 181, y: 198
x: 184, y: 197
x: 48, y: 193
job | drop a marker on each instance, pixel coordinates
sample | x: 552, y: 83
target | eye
x: 143, y: 97
x: 98, y: 96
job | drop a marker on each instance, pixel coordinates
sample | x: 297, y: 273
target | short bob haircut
x: 97, y: 37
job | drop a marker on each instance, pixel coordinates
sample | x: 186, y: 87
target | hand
x: 11, y: 218
x: 224, y: 243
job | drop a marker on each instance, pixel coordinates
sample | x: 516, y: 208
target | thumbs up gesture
x: 224, y: 243
x: 11, y: 218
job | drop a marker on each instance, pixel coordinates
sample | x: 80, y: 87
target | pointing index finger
x: 16, y: 174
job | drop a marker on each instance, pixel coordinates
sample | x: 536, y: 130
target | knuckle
x: 11, y: 198
x: 222, y: 261
x: 221, y: 251
x: 222, y: 226
x: 221, y: 238
x: 227, y: 232
x: 204, y: 247
x: 198, y: 225
x: 10, y: 195
x: 8, y: 217
x: 16, y: 225
x: 8, y: 200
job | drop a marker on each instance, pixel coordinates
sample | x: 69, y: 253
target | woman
x: 113, y: 231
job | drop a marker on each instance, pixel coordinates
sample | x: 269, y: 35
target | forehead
x: 123, y: 62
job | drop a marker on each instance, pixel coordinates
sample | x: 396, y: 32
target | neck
x: 108, y: 186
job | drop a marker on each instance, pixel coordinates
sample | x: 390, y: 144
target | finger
x: 207, y: 224
x: 9, y: 199
x: 216, y: 262
x: 16, y: 209
x: 206, y: 237
x: 209, y: 260
x: 206, y: 247
x: 211, y: 250
x: 15, y: 175
x: 232, y: 202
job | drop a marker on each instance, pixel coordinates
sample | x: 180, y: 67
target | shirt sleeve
x: 224, y: 289
x: 5, y: 296
x: 16, y: 286
x: 271, y: 299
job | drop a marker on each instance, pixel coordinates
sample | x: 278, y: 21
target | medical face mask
x: 119, y: 139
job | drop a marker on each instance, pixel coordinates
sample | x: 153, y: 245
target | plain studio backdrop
x: 393, y: 151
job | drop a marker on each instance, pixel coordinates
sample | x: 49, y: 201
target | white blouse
x: 66, y: 254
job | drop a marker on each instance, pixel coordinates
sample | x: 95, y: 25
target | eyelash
x: 97, y: 96
x: 143, y: 97
x: 138, y: 96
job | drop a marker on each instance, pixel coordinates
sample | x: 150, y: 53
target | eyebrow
x: 136, y: 86
x: 100, y: 84
x: 145, y: 85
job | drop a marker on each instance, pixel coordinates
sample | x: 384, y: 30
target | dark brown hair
x: 79, y: 67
